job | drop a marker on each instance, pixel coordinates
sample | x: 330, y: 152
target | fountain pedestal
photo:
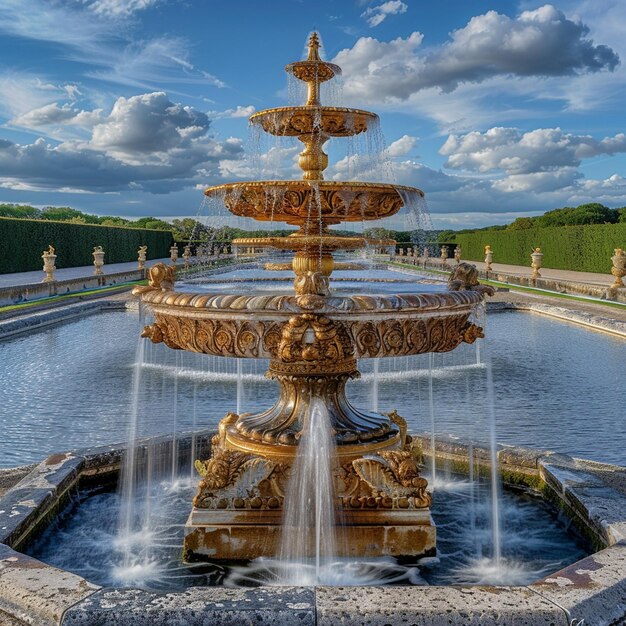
x: 381, y: 504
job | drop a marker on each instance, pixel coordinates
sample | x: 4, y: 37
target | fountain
x: 375, y: 501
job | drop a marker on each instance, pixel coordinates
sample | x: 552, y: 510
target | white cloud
x: 52, y: 114
x: 377, y: 15
x: 89, y: 38
x: 239, y: 111
x: 120, y: 8
x: 147, y: 142
x: 148, y: 126
x: 517, y: 153
x: 401, y: 147
x: 543, y: 42
x: 146, y: 64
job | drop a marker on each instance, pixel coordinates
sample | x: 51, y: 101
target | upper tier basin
x: 301, y: 120
x: 300, y: 201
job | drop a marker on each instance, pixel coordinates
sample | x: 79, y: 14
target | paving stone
x: 593, y: 590
x: 36, y: 593
x: 199, y: 606
x: 23, y: 505
x: 435, y: 606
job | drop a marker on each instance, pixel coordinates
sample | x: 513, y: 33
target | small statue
x: 141, y: 257
x: 457, y: 254
x: 536, y: 258
x: 444, y: 254
x: 488, y: 258
x: 187, y: 255
x: 619, y: 268
x: 464, y: 277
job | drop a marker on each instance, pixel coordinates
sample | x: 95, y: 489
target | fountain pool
x: 85, y: 540
x: 545, y: 393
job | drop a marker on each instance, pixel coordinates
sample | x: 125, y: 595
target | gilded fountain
x: 313, y: 339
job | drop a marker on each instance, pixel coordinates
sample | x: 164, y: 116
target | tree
x: 522, y: 223
x: 446, y: 236
x: 151, y: 223
x: 20, y: 211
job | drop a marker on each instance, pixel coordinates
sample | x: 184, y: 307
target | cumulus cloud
x: 53, y: 113
x: 146, y: 142
x: 401, y: 147
x: 543, y: 42
x: 377, y: 15
x: 239, y: 111
x: 517, y: 153
x: 148, y: 126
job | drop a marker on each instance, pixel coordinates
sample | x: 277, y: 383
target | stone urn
x: 457, y: 255
x: 98, y: 260
x: 141, y: 257
x: 174, y: 254
x: 536, y: 258
x: 619, y: 268
x: 187, y: 255
x: 49, y: 258
x: 488, y: 258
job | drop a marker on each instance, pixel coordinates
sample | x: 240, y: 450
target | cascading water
x: 308, y: 534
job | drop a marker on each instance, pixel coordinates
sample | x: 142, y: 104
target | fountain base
x: 234, y: 535
x: 381, y: 503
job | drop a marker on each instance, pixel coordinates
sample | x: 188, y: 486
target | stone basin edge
x: 592, y: 589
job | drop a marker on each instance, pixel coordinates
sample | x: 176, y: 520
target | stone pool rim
x: 592, y: 589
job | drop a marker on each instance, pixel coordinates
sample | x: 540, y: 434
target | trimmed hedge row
x: 586, y: 248
x: 22, y: 242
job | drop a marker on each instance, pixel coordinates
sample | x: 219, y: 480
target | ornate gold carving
x: 394, y: 474
x: 286, y: 341
x: 152, y: 332
x: 400, y: 422
x: 330, y: 121
x: 162, y: 276
x: 314, y: 338
x: 300, y: 202
x: 311, y: 283
x: 472, y: 333
x: 232, y: 478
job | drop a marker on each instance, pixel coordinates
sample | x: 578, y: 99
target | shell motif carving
x: 394, y: 474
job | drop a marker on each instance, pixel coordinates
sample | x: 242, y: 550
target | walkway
x: 588, y: 278
x: 30, y: 278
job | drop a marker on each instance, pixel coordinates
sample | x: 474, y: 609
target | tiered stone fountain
x: 313, y: 340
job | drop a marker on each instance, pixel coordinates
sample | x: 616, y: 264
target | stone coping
x: 593, y: 589
x: 558, y: 285
x: 17, y: 294
x: 34, y: 320
x: 590, y: 320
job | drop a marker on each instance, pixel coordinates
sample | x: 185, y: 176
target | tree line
x: 590, y: 213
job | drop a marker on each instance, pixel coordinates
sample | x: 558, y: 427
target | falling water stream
x: 308, y: 536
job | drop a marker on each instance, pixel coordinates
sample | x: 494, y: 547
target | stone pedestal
x: 242, y: 535
x: 381, y: 503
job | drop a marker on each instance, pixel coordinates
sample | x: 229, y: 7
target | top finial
x: 314, y: 47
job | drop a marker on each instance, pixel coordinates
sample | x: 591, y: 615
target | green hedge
x: 586, y: 248
x: 22, y: 242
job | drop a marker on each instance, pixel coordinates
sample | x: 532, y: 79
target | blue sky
x: 131, y: 107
